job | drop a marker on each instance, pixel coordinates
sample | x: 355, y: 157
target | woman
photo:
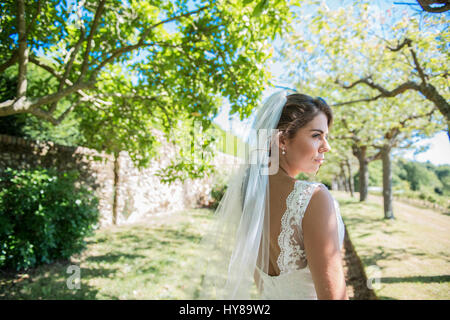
x: 276, y: 237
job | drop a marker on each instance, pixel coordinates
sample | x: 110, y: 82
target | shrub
x: 431, y: 198
x: 217, y: 193
x: 44, y: 216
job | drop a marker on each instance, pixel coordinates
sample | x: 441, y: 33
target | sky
x: 438, y: 146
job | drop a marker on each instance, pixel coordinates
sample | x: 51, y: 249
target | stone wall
x: 141, y: 194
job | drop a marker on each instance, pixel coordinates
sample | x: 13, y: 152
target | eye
x: 318, y: 135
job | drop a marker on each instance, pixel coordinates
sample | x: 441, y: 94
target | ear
x: 282, y: 139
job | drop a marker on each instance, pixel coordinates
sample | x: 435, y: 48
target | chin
x: 310, y: 171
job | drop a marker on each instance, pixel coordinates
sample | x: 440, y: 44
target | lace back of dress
x: 292, y: 255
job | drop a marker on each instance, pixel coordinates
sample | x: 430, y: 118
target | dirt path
x: 431, y: 217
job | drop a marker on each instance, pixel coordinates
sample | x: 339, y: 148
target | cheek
x: 306, y: 149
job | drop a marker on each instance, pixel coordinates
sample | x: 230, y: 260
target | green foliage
x: 217, y: 193
x: 375, y: 174
x: 67, y: 133
x: 10, y: 125
x: 148, y: 64
x: 422, y: 177
x: 337, y: 44
x: 44, y: 216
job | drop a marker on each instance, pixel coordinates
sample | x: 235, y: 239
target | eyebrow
x: 316, y: 130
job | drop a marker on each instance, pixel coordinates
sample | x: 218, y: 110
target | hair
x: 299, y: 110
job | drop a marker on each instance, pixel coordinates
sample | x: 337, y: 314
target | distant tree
x: 419, y: 177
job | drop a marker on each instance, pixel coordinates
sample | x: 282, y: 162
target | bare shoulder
x: 320, y: 231
x: 320, y: 206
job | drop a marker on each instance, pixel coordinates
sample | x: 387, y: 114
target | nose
x: 325, y: 147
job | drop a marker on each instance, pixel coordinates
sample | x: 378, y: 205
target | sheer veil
x: 235, y: 250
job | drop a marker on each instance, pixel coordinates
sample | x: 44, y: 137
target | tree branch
x: 427, y: 89
x: 408, y: 42
x: 418, y: 67
x: 84, y: 95
x: 46, y: 115
x: 12, y: 60
x: 141, y: 42
x: 374, y: 157
x: 21, y: 105
x: 425, y: 5
x: 23, y: 50
x: 124, y: 96
x: 383, y: 92
x: 94, y: 26
x: 69, y: 65
x: 405, y: 42
x: 146, y: 32
x: 47, y: 68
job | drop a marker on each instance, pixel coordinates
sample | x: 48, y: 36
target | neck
x: 284, y: 170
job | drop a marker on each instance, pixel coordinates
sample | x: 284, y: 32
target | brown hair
x: 299, y: 110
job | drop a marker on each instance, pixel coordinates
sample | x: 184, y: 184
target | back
x: 289, y: 275
x: 288, y: 199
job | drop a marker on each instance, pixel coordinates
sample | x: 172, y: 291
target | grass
x: 155, y: 259
x: 142, y: 261
x: 411, y: 253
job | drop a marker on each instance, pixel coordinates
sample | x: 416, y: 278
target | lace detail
x: 290, y: 249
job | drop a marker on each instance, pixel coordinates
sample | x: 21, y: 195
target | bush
x: 217, y: 194
x: 44, y: 216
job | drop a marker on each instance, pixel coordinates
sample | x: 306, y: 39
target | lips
x: 319, y: 160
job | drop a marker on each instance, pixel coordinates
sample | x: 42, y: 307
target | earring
x: 284, y: 151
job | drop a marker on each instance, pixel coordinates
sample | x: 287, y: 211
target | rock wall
x: 141, y: 194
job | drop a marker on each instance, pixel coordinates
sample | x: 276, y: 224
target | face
x: 309, y: 144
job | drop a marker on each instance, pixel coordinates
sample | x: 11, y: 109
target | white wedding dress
x: 294, y: 281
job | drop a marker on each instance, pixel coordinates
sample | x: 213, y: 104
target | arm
x: 320, y: 233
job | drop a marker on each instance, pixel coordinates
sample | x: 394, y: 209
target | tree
x: 129, y: 66
x: 393, y: 137
x: 346, y: 44
x: 419, y: 177
x: 439, y: 5
x: 417, y: 50
x: 433, y: 6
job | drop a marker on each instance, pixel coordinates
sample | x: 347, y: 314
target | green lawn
x: 411, y: 253
x: 155, y: 259
x: 151, y: 260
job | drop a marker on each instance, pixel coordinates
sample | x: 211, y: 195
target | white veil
x: 235, y: 250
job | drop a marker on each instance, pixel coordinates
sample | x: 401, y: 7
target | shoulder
x: 320, y: 208
x: 321, y: 191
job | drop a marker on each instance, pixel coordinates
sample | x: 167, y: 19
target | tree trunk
x: 340, y: 185
x: 23, y: 51
x: 344, y: 178
x: 334, y: 184
x: 360, y: 153
x: 115, y: 187
x: 350, y: 178
x: 387, y: 183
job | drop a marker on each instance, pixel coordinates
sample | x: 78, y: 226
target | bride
x: 275, y: 237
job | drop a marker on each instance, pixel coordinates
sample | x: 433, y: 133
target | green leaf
x: 260, y: 8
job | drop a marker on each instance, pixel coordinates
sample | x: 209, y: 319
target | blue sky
x: 438, y: 146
